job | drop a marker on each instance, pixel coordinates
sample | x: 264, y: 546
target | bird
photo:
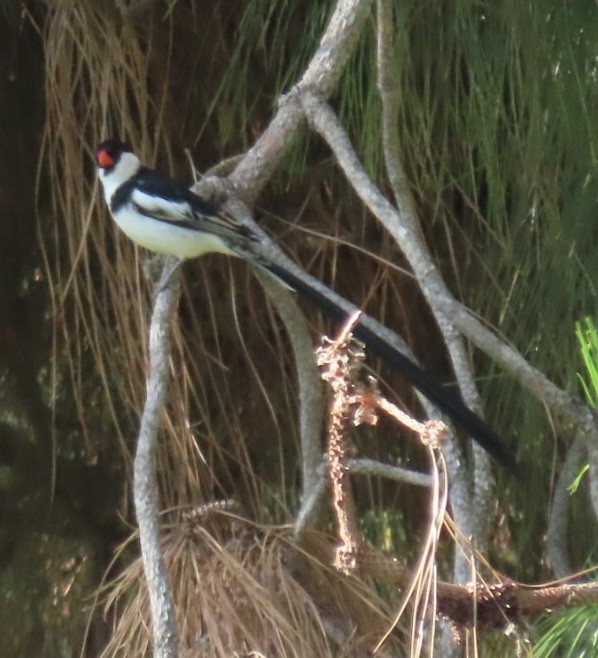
x: 165, y: 216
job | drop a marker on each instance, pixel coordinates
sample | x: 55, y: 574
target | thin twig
x: 353, y: 403
x: 364, y: 466
x: 338, y: 360
x: 422, y: 591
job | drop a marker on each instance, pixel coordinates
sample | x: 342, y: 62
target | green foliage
x: 273, y: 42
x: 570, y: 634
x: 385, y: 529
x: 499, y: 140
x: 499, y: 143
x: 574, y: 633
x: 587, y: 337
x: 277, y: 39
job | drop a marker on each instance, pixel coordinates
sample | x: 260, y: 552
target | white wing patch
x: 174, y: 211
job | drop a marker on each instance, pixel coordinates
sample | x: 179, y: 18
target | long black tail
x: 385, y: 344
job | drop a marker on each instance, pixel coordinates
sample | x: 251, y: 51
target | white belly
x: 167, y: 238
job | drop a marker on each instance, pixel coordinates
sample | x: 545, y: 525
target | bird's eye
x: 105, y: 159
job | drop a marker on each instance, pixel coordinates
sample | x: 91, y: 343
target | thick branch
x: 145, y: 485
x: 487, y: 606
x: 311, y: 397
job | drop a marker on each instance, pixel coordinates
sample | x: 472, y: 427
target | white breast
x: 167, y: 238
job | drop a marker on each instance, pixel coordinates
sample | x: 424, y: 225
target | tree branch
x: 324, y: 121
x: 145, y: 484
x: 323, y: 72
x: 557, y: 535
x: 472, y: 517
x: 311, y: 398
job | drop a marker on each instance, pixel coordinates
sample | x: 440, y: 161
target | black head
x: 109, y: 152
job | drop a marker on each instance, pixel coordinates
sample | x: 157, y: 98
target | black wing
x: 160, y: 197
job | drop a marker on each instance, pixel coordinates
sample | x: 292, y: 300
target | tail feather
x: 379, y: 340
